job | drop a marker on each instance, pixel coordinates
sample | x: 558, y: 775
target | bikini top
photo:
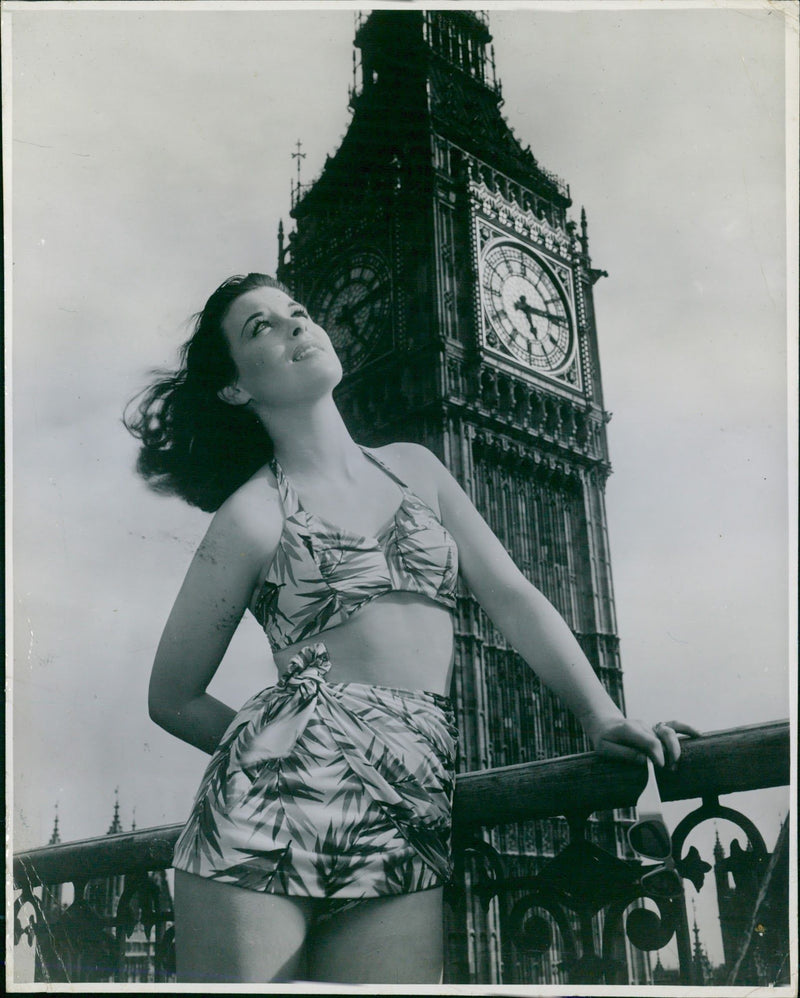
x: 321, y: 574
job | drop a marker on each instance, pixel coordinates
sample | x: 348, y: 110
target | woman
x: 319, y: 839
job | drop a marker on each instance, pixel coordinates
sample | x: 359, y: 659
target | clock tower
x: 440, y: 257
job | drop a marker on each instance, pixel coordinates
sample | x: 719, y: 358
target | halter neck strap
x: 376, y: 460
x: 290, y: 499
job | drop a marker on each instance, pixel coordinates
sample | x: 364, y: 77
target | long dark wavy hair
x: 193, y: 444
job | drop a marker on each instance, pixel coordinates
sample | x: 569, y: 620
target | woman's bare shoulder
x: 415, y: 464
x: 252, y: 517
x: 405, y: 454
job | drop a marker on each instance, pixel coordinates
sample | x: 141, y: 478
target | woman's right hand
x: 617, y: 737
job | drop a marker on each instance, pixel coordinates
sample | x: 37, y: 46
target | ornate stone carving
x: 493, y: 204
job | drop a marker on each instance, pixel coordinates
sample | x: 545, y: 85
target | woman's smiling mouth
x: 302, y: 352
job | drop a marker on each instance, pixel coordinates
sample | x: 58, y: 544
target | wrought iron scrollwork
x: 80, y: 945
x: 35, y: 918
x: 138, y: 888
x: 711, y: 808
x: 566, y: 895
x: 484, y: 881
x: 650, y: 930
x: 583, y: 880
x: 533, y: 933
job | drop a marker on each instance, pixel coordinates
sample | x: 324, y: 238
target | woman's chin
x: 315, y: 386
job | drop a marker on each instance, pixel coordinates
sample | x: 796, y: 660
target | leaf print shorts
x: 327, y: 790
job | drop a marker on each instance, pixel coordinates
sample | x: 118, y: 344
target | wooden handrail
x: 721, y: 762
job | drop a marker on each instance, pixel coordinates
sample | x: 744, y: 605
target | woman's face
x: 281, y: 355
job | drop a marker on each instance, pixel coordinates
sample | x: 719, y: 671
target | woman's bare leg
x: 393, y: 940
x: 229, y: 935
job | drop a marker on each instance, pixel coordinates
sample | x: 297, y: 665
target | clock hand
x: 345, y: 317
x: 374, y: 294
x: 347, y: 314
x: 552, y: 316
x: 522, y: 304
x: 516, y: 331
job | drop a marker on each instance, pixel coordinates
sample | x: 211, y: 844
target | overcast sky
x: 152, y: 158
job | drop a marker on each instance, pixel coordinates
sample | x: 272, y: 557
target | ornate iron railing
x: 593, y: 898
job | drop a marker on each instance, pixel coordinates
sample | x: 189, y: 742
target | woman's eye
x: 261, y: 324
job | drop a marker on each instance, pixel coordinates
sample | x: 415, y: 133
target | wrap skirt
x: 327, y: 790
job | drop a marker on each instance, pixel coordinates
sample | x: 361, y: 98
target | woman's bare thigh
x: 392, y: 940
x: 228, y: 935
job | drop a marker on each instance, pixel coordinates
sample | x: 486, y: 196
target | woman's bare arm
x: 241, y: 539
x: 537, y: 631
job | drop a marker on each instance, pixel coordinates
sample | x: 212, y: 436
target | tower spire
x: 702, y: 965
x: 695, y: 930
x: 116, y: 824
x: 297, y: 155
x: 55, y: 838
x: 719, y: 852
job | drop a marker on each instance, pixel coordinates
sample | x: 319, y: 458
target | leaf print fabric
x: 321, y: 573
x: 335, y: 790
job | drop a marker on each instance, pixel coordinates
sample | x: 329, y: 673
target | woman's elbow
x: 162, y: 706
x: 159, y: 712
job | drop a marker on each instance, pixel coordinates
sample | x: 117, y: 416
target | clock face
x: 353, y: 304
x: 525, y: 307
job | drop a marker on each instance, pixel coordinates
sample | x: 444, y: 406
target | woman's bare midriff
x: 400, y: 639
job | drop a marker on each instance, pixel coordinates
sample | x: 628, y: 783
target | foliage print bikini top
x: 321, y: 574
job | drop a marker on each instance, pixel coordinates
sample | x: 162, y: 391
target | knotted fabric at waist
x: 316, y: 785
x: 306, y: 670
